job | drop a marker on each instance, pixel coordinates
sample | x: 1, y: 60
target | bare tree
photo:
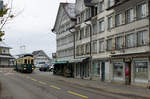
x: 5, y: 16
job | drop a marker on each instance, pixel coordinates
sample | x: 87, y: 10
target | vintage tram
x: 25, y: 63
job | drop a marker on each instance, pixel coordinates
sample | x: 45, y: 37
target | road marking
x: 34, y: 79
x: 42, y: 82
x: 52, y: 86
x: 74, y: 93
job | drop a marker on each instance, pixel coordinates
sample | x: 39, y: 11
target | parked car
x: 44, y: 68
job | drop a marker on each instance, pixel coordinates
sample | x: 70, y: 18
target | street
x: 38, y: 85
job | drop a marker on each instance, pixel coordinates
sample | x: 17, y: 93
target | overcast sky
x: 32, y: 27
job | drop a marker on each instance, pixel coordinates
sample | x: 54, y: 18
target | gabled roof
x: 69, y: 9
x: 40, y: 51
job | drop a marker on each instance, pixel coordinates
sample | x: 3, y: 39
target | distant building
x: 40, y: 58
x: 6, y: 59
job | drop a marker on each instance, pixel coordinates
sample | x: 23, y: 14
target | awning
x: 77, y: 60
x: 60, y: 62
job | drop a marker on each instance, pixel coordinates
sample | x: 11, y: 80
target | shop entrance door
x: 102, y: 71
x: 128, y: 73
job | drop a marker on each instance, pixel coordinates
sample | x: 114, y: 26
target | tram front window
x: 25, y: 61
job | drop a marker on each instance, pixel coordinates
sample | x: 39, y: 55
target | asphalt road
x: 38, y: 85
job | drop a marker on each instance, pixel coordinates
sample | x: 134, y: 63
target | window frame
x: 102, y: 22
x: 116, y: 43
x: 108, y: 22
x: 100, y: 49
x: 137, y: 14
x: 144, y: 31
x: 111, y: 44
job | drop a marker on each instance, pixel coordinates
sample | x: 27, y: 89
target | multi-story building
x: 40, y: 58
x: 91, y: 35
x: 65, y: 21
x: 6, y: 59
x: 130, y: 39
x: 86, y: 11
x: 112, y: 40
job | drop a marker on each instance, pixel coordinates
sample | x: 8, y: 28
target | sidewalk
x: 107, y: 87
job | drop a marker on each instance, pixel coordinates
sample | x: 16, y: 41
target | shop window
x: 96, y: 68
x: 141, y: 70
x: 118, y: 70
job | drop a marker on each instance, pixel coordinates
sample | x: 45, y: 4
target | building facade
x: 131, y: 39
x: 65, y: 21
x: 6, y: 59
x: 111, y: 41
x: 40, y: 58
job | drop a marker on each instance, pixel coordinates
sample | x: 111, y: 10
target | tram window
x: 28, y: 61
x: 31, y: 61
x: 25, y: 61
